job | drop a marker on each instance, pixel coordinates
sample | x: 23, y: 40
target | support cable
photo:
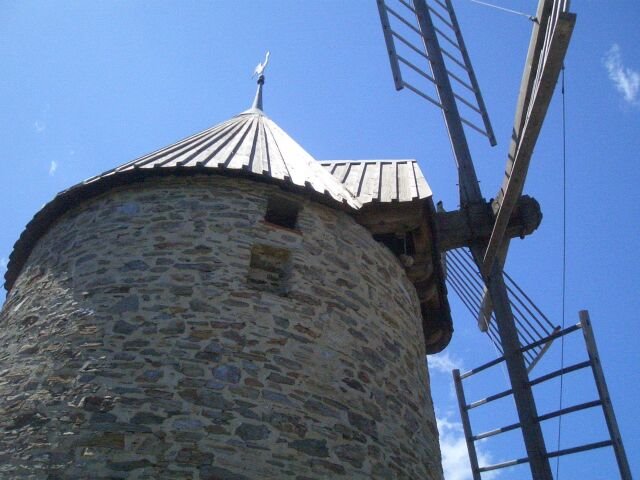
x: 508, y: 10
x: 564, y: 258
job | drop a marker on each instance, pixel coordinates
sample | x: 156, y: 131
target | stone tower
x: 225, y: 308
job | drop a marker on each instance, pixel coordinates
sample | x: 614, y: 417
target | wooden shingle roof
x: 251, y: 143
x: 384, y: 181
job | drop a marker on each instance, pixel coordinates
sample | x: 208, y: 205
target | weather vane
x: 259, y: 71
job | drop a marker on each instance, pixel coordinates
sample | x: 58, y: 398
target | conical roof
x: 249, y: 143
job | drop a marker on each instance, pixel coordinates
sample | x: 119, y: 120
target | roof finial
x: 259, y: 72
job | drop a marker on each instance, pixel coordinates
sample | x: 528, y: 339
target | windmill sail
x: 536, y: 91
x: 547, y: 48
x: 408, y: 42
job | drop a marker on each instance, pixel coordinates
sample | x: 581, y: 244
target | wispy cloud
x: 53, y: 166
x: 455, y: 458
x: 3, y: 264
x: 39, y: 126
x: 444, y: 362
x: 625, y: 79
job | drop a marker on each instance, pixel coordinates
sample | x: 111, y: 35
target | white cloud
x: 3, y: 263
x: 40, y: 126
x: 455, y: 458
x: 443, y: 363
x: 53, y: 166
x: 626, y: 80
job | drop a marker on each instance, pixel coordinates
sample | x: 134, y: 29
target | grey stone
x: 134, y: 265
x: 351, y: 453
x: 187, y: 424
x: 227, y: 373
x: 277, y: 378
x: 315, y: 448
x: 126, y: 304
x: 173, y: 327
x: 364, y: 424
x: 29, y: 348
x: 129, y: 466
x: 324, y: 465
x: 287, y: 363
x: 147, y: 418
x: 219, y: 473
x: 276, y: 397
x: 250, y: 432
x: 320, y: 408
x: 124, y: 327
x: 194, y: 456
x: 353, y: 383
x: 287, y: 423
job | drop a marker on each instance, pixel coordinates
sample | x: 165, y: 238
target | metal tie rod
x: 426, y: 97
x: 460, y: 80
x: 448, y: 38
x: 581, y: 448
x: 509, y: 463
x: 444, y: 20
x: 440, y: 3
x: 541, y: 418
x: 482, y: 367
x: 545, y: 348
x: 399, y: 17
x: 454, y: 59
x: 490, y: 398
x: 497, y: 431
x: 560, y: 371
x: 409, y: 44
x: 574, y: 408
x: 407, y: 5
x: 467, y: 103
x: 415, y: 69
x: 477, y: 129
x: 553, y: 336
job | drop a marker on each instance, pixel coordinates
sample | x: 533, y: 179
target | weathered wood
x: 382, y: 218
x: 603, y: 392
x: 539, y: 92
x: 519, y: 379
x: 473, y: 225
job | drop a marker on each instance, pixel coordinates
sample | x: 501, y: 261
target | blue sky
x: 86, y: 86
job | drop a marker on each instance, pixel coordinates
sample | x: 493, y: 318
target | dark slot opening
x: 398, y: 243
x: 282, y: 212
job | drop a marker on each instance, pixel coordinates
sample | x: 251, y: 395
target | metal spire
x: 259, y: 72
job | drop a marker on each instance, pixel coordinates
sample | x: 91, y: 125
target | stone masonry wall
x: 164, y: 330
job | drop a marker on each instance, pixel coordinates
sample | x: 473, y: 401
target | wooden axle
x: 472, y: 225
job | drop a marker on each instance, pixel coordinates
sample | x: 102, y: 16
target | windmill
x: 420, y: 30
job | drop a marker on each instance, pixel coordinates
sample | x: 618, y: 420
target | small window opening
x: 270, y: 269
x: 282, y: 212
x: 398, y: 243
